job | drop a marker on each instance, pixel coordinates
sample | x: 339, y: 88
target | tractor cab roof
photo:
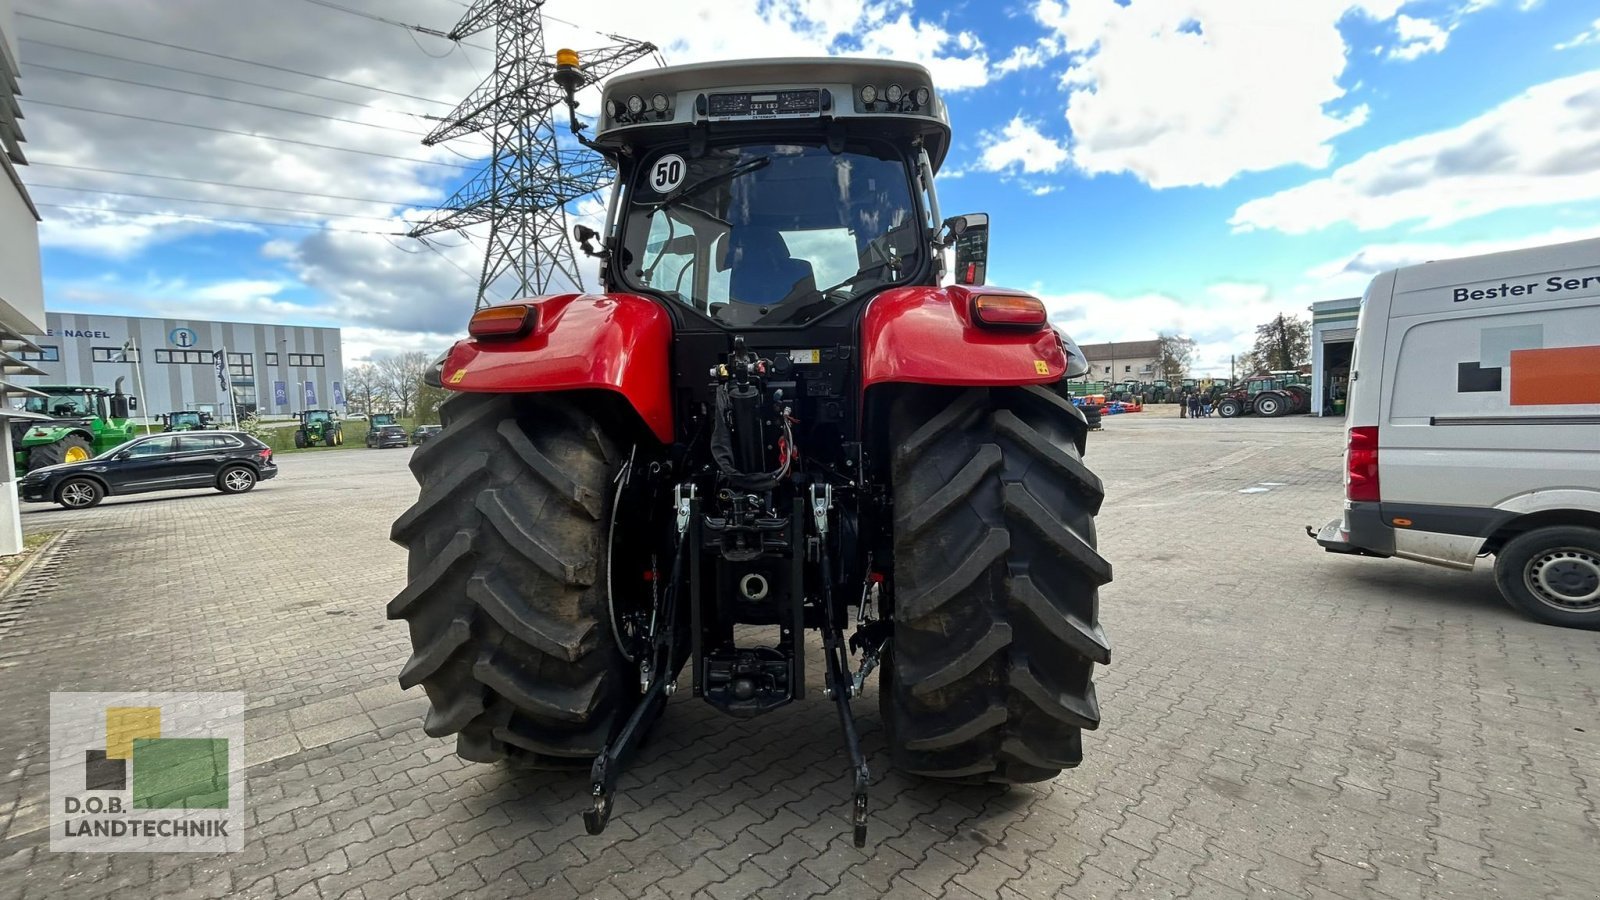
x: 837, y: 95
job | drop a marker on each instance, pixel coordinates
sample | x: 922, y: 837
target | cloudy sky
x: 1188, y: 165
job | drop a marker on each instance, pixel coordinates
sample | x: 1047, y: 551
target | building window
x: 1108, y: 370
x: 241, y: 365
x: 1127, y: 369
x: 272, y: 359
x: 44, y: 354
x: 185, y: 357
x: 306, y: 360
x: 114, y: 355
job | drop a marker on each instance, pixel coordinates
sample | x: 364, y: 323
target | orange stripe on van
x: 1554, y: 376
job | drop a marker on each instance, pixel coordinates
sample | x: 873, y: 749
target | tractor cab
x: 379, y: 420
x: 186, y: 420
x: 772, y: 194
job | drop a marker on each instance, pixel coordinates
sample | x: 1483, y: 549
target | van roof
x: 1508, y: 264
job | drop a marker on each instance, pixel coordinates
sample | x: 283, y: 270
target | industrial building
x: 170, y: 364
x: 1122, y: 360
x: 1333, y: 340
x: 21, y: 284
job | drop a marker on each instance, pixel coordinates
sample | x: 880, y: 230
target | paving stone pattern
x: 1278, y: 721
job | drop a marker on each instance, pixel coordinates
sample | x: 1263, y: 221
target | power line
x: 160, y: 87
x: 200, y: 74
x: 264, y: 137
x: 227, y: 184
x: 248, y: 62
x: 431, y: 32
x: 308, y: 212
x: 260, y: 224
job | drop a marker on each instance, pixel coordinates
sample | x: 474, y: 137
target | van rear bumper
x: 1361, y: 531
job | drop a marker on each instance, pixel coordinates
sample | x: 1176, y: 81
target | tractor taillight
x: 1361, y: 465
x: 509, y: 321
x: 1008, y: 310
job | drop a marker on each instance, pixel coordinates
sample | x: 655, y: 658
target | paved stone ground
x: 1278, y: 721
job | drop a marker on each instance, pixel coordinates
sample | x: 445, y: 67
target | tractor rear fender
x: 33, y: 437
x: 926, y: 335
x: 614, y: 342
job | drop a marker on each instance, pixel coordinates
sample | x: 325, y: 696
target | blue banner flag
x: 280, y: 394
x: 311, y: 394
x: 338, y: 394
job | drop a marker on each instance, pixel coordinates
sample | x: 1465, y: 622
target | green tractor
x: 186, y: 420
x: 318, y: 426
x: 381, y: 419
x: 84, y: 421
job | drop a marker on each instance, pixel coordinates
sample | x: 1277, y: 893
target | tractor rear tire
x: 60, y: 452
x: 506, y: 599
x: 995, y: 590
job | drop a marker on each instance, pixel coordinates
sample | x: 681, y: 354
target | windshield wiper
x: 749, y: 165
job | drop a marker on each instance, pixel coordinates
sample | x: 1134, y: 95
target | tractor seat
x: 763, y: 271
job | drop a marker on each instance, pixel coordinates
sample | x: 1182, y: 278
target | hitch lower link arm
x: 841, y: 686
x: 661, y: 682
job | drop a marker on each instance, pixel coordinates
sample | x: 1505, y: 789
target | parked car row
x: 229, y: 461
x: 232, y: 462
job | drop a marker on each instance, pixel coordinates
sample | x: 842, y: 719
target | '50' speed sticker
x: 667, y: 173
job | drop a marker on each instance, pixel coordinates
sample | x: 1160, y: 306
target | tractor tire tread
x: 995, y: 591
x: 506, y: 614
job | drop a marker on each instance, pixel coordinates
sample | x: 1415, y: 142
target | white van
x: 1474, y: 424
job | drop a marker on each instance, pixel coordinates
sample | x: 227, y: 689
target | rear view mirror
x: 970, y: 234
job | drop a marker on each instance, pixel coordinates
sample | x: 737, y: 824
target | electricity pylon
x: 524, y: 190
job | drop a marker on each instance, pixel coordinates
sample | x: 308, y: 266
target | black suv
x: 387, y: 436
x: 230, y: 461
x: 423, y: 432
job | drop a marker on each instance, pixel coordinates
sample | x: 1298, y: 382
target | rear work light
x: 510, y: 321
x: 1008, y: 310
x: 1361, y: 465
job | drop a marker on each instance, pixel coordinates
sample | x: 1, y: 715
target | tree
x: 428, y: 400
x: 1173, y: 356
x: 1281, y: 344
x: 400, y: 375
x: 361, y: 390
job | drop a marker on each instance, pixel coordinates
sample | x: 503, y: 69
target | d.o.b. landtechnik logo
x: 146, y: 772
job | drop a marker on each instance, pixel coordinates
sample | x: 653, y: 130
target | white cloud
x: 691, y: 31
x: 1538, y: 148
x: 1418, y: 37
x: 1222, y: 321
x: 1194, y: 93
x: 1021, y: 146
x: 1591, y: 36
x: 1028, y: 56
x: 1359, y: 267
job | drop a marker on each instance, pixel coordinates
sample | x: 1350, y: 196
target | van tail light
x: 513, y: 320
x: 1361, y: 465
x: 1008, y: 310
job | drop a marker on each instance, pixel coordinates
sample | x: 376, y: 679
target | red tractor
x: 1269, y: 396
x: 773, y: 416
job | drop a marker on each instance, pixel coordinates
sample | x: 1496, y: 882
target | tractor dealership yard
x: 1276, y: 720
